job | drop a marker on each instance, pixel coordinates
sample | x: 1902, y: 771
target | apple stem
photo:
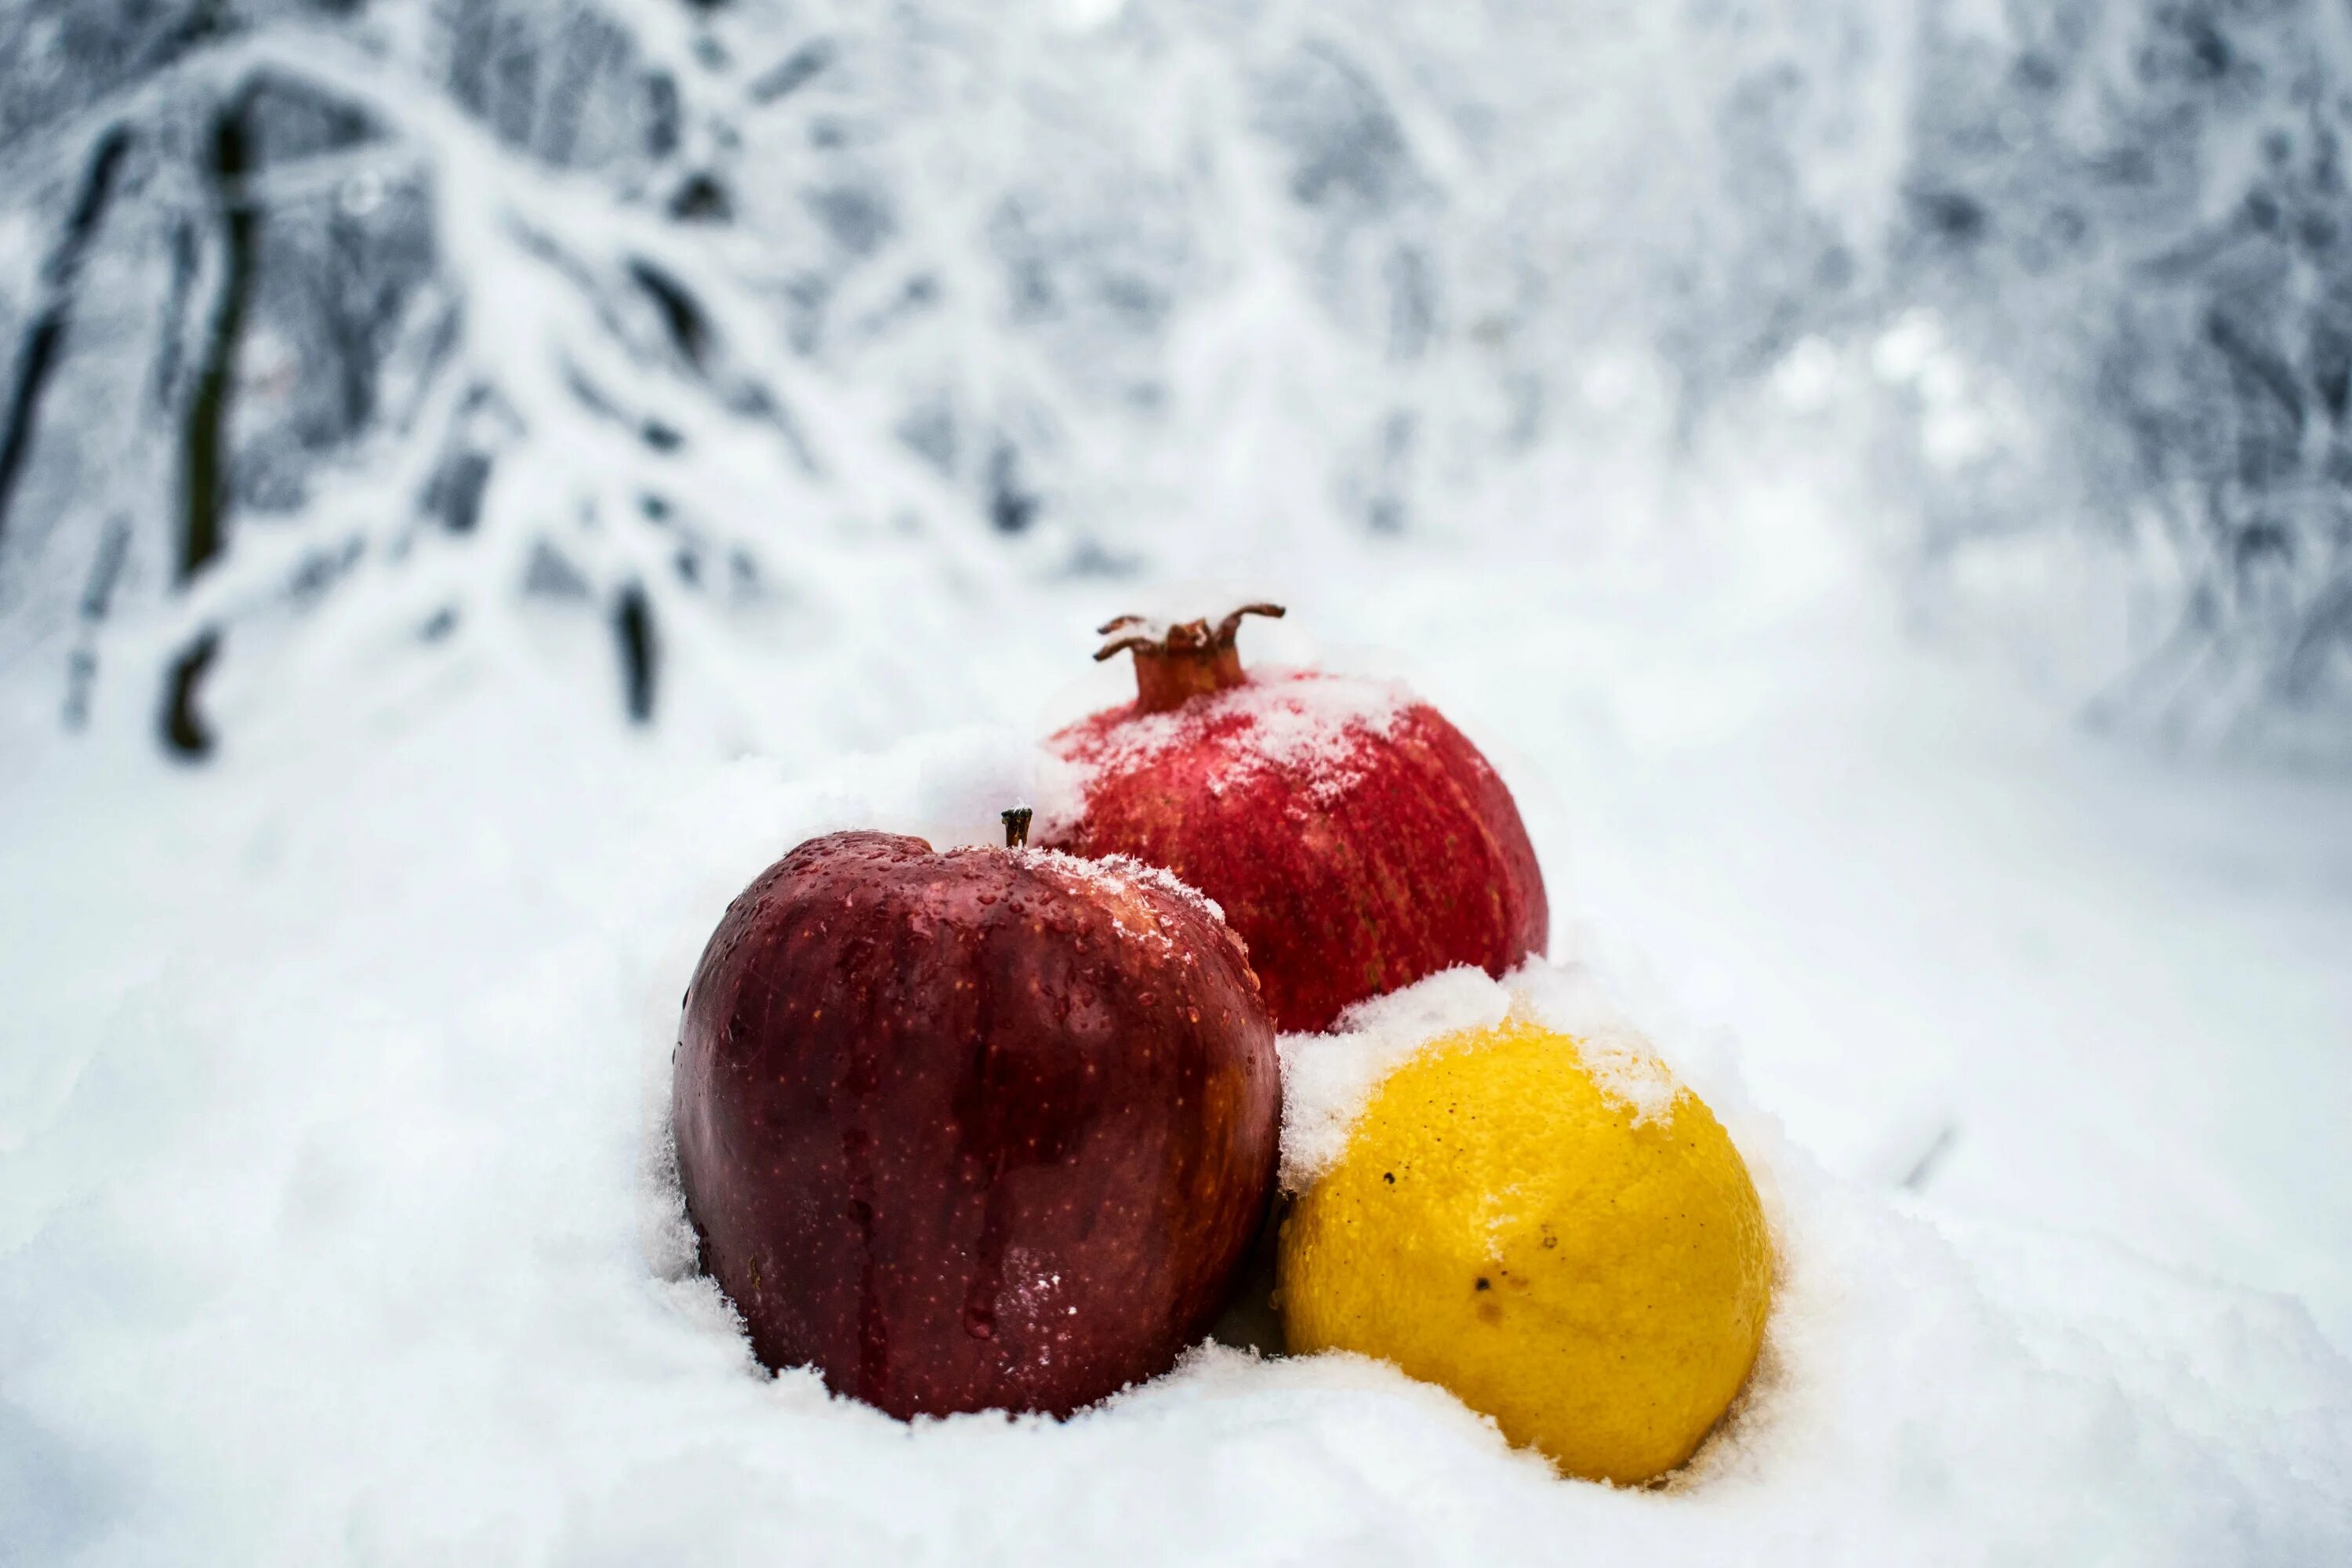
x: 1175, y: 663
x: 1016, y: 825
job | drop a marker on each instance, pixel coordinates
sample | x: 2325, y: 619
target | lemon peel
x: 1556, y: 1231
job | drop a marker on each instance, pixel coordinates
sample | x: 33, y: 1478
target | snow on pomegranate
x: 1355, y: 838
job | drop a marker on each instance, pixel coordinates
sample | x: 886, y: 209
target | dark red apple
x: 981, y: 1129
x: 1356, y: 840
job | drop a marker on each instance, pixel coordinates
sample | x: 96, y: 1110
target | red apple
x: 1356, y: 840
x: 981, y: 1129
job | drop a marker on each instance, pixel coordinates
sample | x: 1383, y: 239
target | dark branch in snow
x: 454, y: 494
x: 701, y: 199
x: 689, y: 329
x: 169, y: 345
x: 795, y: 71
x: 1010, y: 506
x: 97, y: 597
x: 45, y: 341
x: 185, y: 733
x: 632, y: 627
x: 205, y: 454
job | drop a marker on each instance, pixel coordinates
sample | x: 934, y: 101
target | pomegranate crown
x: 1176, y: 661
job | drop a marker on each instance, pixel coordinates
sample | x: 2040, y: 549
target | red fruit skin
x: 1421, y: 865
x: 972, y: 1131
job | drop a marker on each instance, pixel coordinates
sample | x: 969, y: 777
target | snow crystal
x: 1625, y: 1061
x: 1123, y: 872
x: 1120, y: 876
x: 1626, y: 1067
x: 1308, y: 724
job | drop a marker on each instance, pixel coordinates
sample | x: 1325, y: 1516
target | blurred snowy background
x: 696, y: 322
x: 1875, y: 473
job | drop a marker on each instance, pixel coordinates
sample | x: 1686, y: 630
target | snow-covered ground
x: 331, y: 1226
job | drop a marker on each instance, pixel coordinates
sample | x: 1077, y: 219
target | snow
x: 1309, y: 725
x: 337, y: 1229
x: 1116, y: 870
x: 1327, y: 1079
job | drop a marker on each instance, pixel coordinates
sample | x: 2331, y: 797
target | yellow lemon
x: 1557, y: 1231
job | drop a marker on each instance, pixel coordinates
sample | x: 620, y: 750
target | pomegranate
x: 1355, y: 839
